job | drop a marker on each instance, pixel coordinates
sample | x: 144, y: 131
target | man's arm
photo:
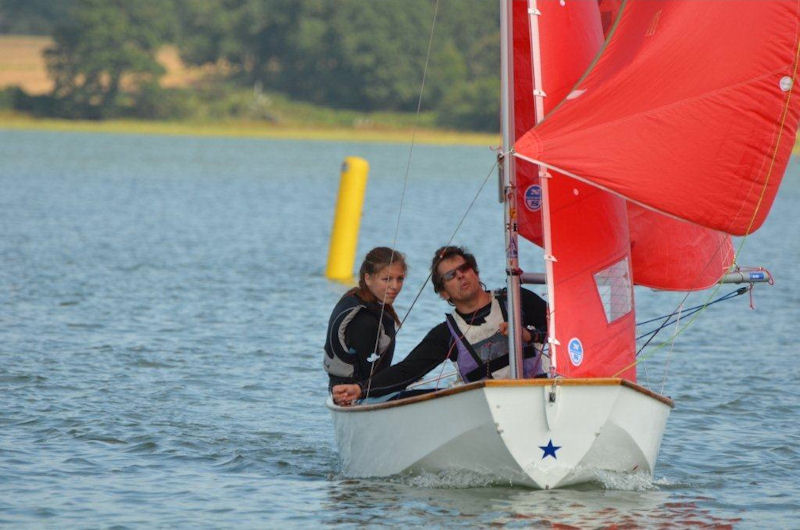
x: 431, y: 351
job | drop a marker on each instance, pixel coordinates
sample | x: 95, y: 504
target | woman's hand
x: 345, y: 395
x: 526, y: 335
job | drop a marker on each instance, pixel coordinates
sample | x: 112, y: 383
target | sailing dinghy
x: 631, y: 153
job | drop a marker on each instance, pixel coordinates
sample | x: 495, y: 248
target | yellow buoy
x: 346, y: 220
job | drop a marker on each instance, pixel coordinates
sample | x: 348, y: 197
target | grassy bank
x: 250, y: 129
x: 245, y: 129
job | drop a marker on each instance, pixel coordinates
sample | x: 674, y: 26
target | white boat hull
x: 528, y: 432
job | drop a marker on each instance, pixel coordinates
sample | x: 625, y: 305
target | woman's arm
x: 360, y: 336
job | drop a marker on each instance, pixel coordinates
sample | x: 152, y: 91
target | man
x: 474, y: 335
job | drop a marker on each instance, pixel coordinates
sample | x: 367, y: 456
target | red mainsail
x: 590, y: 287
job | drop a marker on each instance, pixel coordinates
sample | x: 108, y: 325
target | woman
x: 361, y: 330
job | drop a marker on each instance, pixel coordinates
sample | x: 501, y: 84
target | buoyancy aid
x: 340, y: 360
x: 482, y: 351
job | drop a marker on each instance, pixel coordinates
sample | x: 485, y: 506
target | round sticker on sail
x: 533, y: 197
x: 575, y: 349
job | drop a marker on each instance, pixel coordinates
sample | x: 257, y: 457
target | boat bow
x: 537, y: 433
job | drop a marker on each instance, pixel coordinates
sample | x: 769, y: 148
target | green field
x: 21, y: 64
x: 252, y: 130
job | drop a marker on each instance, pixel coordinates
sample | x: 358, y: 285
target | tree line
x: 366, y: 55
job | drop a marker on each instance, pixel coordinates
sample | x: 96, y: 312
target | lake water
x: 163, y: 307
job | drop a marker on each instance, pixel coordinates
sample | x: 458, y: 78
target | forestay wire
x: 453, y: 235
x: 405, y: 181
x: 442, y: 375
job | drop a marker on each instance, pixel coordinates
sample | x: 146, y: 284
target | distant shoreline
x: 21, y: 64
x: 249, y: 129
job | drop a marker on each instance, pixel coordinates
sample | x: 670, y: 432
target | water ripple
x: 163, y: 315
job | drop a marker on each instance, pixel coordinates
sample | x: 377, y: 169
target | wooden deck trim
x: 609, y: 381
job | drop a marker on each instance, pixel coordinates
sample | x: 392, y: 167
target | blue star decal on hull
x: 549, y: 450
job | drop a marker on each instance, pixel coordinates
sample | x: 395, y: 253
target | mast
x: 509, y: 179
x: 547, y: 244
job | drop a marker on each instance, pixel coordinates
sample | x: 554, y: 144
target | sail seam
x: 533, y: 136
x: 777, y: 146
x: 666, y: 106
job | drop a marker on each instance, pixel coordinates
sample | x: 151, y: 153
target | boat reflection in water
x: 634, y: 502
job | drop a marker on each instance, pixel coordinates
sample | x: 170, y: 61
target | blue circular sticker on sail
x: 533, y: 198
x: 575, y: 349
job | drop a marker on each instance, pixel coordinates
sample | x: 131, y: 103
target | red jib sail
x: 691, y: 110
x: 591, y: 298
x: 670, y: 254
x: 665, y: 252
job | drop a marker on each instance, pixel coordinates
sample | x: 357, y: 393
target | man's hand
x: 345, y: 395
x: 526, y: 335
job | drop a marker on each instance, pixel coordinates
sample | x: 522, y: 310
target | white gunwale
x: 606, y: 381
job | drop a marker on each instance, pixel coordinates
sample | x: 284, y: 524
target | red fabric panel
x: 570, y: 35
x: 530, y: 219
x: 674, y: 255
x: 588, y: 226
x: 684, y: 111
x: 669, y: 254
x: 589, y: 233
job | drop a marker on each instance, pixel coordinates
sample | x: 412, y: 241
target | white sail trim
x: 547, y: 241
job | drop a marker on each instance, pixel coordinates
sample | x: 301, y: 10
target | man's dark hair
x: 446, y: 253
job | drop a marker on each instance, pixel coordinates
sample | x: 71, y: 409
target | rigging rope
x: 452, y: 237
x: 680, y: 311
x: 405, y: 187
x: 671, y: 350
x: 427, y: 278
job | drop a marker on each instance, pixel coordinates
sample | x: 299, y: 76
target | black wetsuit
x: 438, y: 346
x: 360, y: 334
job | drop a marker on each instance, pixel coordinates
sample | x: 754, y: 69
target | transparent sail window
x: 615, y: 289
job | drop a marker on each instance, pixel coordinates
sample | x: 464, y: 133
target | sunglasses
x: 449, y: 275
